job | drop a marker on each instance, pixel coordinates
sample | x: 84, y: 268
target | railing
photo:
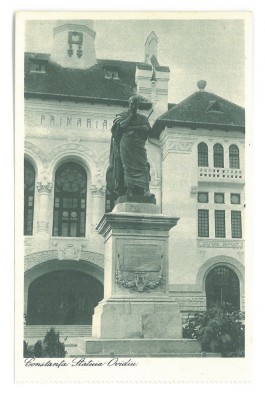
x: 220, y: 174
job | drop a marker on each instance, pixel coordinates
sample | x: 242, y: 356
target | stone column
x: 44, y: 190
x: 226, y: 155
x: 98, y: 195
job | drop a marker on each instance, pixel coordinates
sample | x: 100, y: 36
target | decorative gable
x: 214, y: 106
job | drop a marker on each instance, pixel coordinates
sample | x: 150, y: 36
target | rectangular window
x: 219, y: 198
x: 220, y: 223
x: 236, y: 224
x: 218, y: 161
x: 234, y: 162
x: 56, y: 223
x: 203, y: 223
x: 203, y: 160
x: 82, y: 223
x: 73, y: 229
x: 235, y: 198
x: 64, y: 229
x: 203, y: 197
x: 37, y: 67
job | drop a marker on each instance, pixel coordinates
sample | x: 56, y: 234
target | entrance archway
x: 63, y: 297
x: 222, y: 286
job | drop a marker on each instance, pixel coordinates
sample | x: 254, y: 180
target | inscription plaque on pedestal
x: 141, y: 258
x: 140, y: 267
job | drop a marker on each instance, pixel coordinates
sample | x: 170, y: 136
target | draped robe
x: 128, y: 157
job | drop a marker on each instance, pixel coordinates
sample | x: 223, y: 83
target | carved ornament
x: 192, y: 303
x: 68, y: 250
x: 98, y: 189
x: 213, y: 243
x: 37, y: 258
x: 176, y: 146
x: 44, y: 187
x: 70, y: 147
x: 42, y: 226
x: 140, y: 281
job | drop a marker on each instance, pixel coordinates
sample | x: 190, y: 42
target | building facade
x: 196, y: 157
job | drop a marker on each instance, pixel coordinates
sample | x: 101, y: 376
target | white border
x: 70, y: 391
x: 159, y: 370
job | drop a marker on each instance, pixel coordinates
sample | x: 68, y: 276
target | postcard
x: 132, y: 241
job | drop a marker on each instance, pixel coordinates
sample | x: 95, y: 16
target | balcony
x: 206, y: 174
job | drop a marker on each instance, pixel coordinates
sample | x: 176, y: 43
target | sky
x: 212, y: 50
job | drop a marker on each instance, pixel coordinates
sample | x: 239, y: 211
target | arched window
x: 202, y: 155
x: 218, y: 156
x: 29, y: 189
x: 69, y: 217
x: 234, y: 157
x: 222, y: 286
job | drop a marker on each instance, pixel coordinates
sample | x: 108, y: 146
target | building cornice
x: 82, y: 99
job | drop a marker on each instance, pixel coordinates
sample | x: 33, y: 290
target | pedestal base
x: 130, y: 318
x: 139, y: 347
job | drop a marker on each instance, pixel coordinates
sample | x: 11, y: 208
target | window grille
x: 220, y: 223
x: 218, y: 155
x: 202, y: 155
x: 69, y: 217
x: 203, y: 223
x: 236, y: 224
x: 222, y: 286
x: 234, y: 157
x: 29, y: 192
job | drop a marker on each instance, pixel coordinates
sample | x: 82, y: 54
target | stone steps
x: 39, y: 331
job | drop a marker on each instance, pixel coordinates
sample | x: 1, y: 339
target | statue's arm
x: 143, y: 125
x: 141, y: 128
x: 125, y: 122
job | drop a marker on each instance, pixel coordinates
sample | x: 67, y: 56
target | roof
x: 85, y: 84
x: 202, y: 109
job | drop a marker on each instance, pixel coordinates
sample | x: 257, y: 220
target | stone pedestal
x: 127, y: 318
x: 136, y: 302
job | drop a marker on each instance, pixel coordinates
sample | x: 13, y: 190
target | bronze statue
x: 129, y: 169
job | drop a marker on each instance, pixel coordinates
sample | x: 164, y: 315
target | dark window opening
x: 220, y: 223
x: 235, y: 198
x: 29, y: 191
x: 234, y: 157
x: 236, y: 224
x: 218, y: 156
x: 202, y: 155
x: 214, y: 106
x: 203, y: 197
x: 219, y: 198
x: 69, y: 218
x: 222, y: 286
x: 203, y: 223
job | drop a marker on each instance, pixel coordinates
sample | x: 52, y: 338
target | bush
x: 27, y: 351
x: 220, y: 329
x: 50, y: 347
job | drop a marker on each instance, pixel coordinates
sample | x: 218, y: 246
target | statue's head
x: 134, y: 102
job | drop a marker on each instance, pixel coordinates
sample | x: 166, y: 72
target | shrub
x: 27, y: 351
x: 38, y: 349
x: 50, y: 347
x: 220, y: 329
